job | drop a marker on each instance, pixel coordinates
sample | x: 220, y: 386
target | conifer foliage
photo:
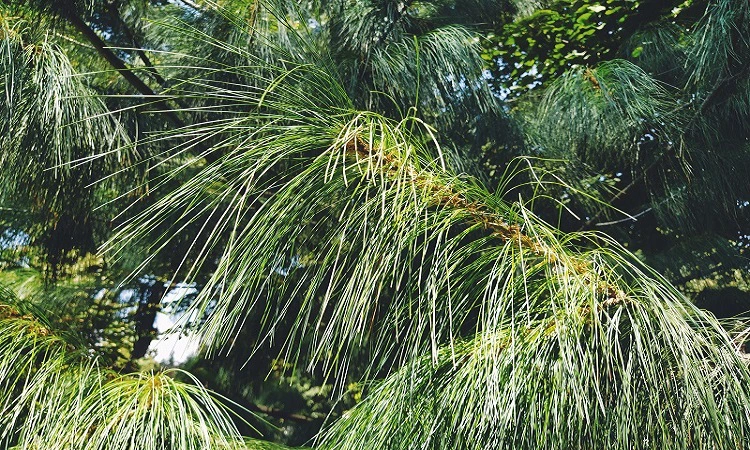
x: 320, y: 171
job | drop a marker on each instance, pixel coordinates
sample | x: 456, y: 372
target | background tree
x: 660, y: 133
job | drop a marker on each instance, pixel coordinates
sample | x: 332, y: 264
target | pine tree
x: 344, y: 186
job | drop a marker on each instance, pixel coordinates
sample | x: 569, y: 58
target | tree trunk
x: 149, y: 297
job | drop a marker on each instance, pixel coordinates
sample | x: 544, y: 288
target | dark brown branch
x: 138, y: 47
x: 127, y: 73
x: 130, y: 76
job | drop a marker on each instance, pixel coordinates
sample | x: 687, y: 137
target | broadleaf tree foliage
x: 354, y: 194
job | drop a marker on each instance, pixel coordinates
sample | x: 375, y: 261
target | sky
x: 172, y: 347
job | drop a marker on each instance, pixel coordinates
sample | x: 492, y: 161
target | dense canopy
x: 389, y: 224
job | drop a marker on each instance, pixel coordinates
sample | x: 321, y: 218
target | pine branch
x: 55, y: 395
x: 479, y: 214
